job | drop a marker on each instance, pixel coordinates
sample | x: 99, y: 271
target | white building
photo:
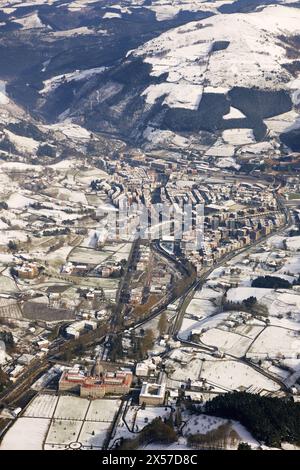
x: 152, y: 394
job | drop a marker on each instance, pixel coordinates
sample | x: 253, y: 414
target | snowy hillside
x: 220, y: 53
x: 215, y: 75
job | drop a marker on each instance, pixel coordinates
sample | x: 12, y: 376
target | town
x: 109, y: 327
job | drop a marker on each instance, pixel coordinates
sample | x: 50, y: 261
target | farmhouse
x: 27, y: 271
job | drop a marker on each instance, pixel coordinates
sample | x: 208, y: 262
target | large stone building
x: 97, y: 385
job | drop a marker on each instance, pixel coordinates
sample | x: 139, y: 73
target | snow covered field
x: 191, y: 424
x: 203, y: 304
x: 276, y: 342
x: 30, y: 22
x: 201, y: 307
x: 3, y: 96
x: 53, y: 423
x: 63, y: 432
x: 233, y: 375
x: 226, y: 341
x: 281, y: 122
x: 41, y: 407
x: 220, y: 374
x: 94, y: 434
x: 143, y: 417
x: 7, y: 285
x: 200, y: 424
x: 52, y: 83
x: 22, y: 144
x: 85, y: 255
x: 270, y: 333
x: 183, y: 373
x: 65, y: 194
x: 18, y: 201
x: 238, y: 136
x: 291, y: 266
x: 103, y: 410
x: 122, y: 429
x: 238, y: 294
x: 204, y: 423
x: 71, y: 407
x: 26, y: 434
x: 166, y: 10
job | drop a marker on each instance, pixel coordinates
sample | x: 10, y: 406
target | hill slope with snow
x: 217, y: 72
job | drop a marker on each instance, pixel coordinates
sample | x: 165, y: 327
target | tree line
x: 269, y: 419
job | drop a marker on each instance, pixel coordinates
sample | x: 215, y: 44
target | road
x: 122, y: 283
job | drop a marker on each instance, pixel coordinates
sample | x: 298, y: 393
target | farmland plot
x: 26, y: 434
x: 227, y: 341
x: 88, y: 256
x: 103, y: 410
x: 274, y: 342
x: 42, y: 406
x: 93, y: 434
x: 63, y: 431
x: 71, y: 407
x: 233, y: 375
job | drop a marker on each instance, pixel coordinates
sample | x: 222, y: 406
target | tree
x: 94, y: 185
x: 163, y: 324
x: 158, y: 431
x: 4, y: 380
x: 116, y: 351
x: 244, y: 446
x: 8, y: 339
x: 269, y: 419
x: 67, y: 355
x: 12, y: 246
x: 216, y: 438
x: 147, y: 342
x: 250, y: 302
x: 178, y: 418
x: 169, y: 420
x: 271, y: 282
x: 79, y: 349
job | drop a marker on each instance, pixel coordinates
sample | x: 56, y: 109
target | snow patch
x: 30, y: 22
x: 3, y: 96
x: 234, y: 114
x: 175, y: 95
x: 52, y: 83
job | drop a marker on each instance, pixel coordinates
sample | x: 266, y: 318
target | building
x: 95, y: 386
x: 75, y: 329
x: 111, y: 383
x: 152, y: 394
x: 141, y: 369
x: 27, y: 271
